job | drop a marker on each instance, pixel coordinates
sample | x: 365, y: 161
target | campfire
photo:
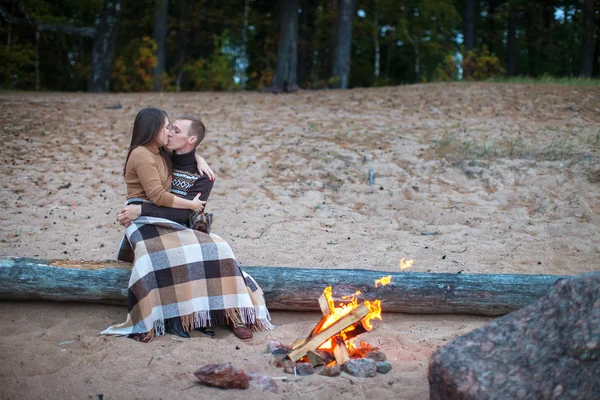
x: 334, y: 342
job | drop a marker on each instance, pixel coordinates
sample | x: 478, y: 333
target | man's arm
x: 202, y: 185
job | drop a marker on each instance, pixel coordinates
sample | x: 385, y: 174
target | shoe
x: 240, y: 330
x: 206, y: 331
x: 173, y: 326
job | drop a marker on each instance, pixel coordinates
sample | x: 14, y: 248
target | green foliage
x: 429, y: 28
x: 447, y: 70
x: 480, y: 64
x: 132, y: 70
x: 416, y: 41
x: 16, y: 66
x: 214, y: 73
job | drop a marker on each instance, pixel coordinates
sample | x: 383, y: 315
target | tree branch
x: 69, y: 30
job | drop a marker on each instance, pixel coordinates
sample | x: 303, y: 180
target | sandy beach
x: 469, y: 177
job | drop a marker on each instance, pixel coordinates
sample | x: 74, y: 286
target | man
x: 188, y: 181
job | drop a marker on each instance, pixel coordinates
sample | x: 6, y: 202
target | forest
x: 224, y: 45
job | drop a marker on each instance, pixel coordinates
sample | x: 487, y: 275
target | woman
x: 148, y: 166
x: 179, y: 274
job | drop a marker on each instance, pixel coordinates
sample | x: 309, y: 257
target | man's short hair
x: 197, y: 128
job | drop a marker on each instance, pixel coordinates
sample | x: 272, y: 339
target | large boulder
x: 547, y: 350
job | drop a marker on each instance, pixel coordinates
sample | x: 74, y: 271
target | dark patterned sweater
x: 186, y: 183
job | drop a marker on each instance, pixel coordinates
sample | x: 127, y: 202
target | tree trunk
x: 289, y: 289
x: 334, y: 22
x: 470, y: 24
x: 587, y: 62
x: 343, y: 46
x: 417, y: 62
x: 376, y: 46
x: 104, y: 43
x: 511, y: 42
x: 306, y: 42
x: 37, y: 60
x: 287, y: 53
x: 184, y: 30
x: 390, y: 54
x: 161, y: 11
x: 491, y: 17
x: 531, y: 36
x: 244, y: 55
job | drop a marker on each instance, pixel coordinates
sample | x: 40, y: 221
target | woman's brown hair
x: 147, y: 125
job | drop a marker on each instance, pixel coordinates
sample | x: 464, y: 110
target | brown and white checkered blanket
x: 181, y: 272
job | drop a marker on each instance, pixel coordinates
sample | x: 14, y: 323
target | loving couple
x: 183, y: 276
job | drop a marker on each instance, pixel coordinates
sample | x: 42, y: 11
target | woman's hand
x: 197, y: 204
x: 129, y: 213
x: 204, y: 168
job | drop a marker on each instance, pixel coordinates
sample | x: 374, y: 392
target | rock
x: 383, y: 367
x: 278, y: 360
x: 549, y: 349
x: 279, y: 351
x: 224, y: 376
x: 288, y: 366
x: 324, y: 370
x: 360, y: 367
x: 376, y: 355
x: 263, y: 382
x: 273, y: 345
x: 304, y: 368
x: 301, y: 368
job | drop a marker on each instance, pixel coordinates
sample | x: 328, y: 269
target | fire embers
x: 333, y: 345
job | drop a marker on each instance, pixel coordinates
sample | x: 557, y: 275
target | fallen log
x: 290, y: 289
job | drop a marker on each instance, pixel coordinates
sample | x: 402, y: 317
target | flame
x: 383, y: 280
x: 405, y: 265
x: 343, y: 309
x: 338, y: 312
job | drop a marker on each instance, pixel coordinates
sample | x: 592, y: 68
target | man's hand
x: 129, y: 213
x: 204, y: 168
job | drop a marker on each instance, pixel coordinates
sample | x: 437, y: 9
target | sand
x: 471, y: 178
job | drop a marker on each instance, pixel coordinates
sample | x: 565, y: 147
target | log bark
x: 289, y: 289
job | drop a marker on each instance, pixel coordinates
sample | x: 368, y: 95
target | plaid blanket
x: 180, y: 272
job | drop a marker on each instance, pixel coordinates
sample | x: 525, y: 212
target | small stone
x: 288, y: 366
x: 279, y: 351
x: 273, y: 345
x: 376, y: 355
x: 360, y: 367
x: 263, y: 382
x: 224, y: 376
x: 383, y: 367
x: 324, y: 370
x: 278, y: 360
x: 304, y: 368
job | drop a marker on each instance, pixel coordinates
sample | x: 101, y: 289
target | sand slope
x: 478, y: 178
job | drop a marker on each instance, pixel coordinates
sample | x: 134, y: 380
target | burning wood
x: 333, y: 340
x: 312, y: 343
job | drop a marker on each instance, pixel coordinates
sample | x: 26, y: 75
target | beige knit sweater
x: 147, y: 176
